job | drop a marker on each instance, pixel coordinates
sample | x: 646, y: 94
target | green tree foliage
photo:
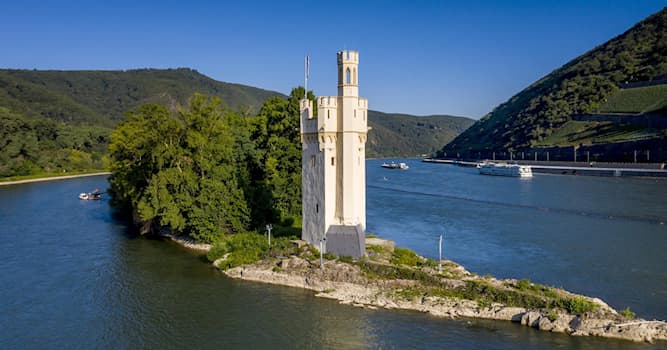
x: 179, y: 171
x: 279, y: 137
x: 207, y: 171
x: 41, y: 146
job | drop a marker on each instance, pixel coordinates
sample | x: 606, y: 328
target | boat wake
x: 593, y: 214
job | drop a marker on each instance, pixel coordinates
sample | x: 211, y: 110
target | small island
x: 397, y: 278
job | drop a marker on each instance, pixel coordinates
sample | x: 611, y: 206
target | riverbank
x: 652, y: 170
x: 50, y: 178
x: 393, y: 279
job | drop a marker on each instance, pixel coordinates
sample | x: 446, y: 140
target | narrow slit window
x: 355, y: 113
x: 333, y: 161
x: 317, y: 208
x: 347, y: 76
x: 312, y: 161
x: 328, y: 114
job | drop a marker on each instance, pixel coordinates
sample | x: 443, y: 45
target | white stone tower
x: 334, y: 164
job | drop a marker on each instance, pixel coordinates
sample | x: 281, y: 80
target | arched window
x: 347, y: 76
x: 355, y: 113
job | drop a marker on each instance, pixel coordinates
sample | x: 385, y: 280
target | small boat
x: 504, y: 169
x: 95, y: 195
x: 392, y: 165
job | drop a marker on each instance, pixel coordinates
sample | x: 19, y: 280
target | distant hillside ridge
x: 103, y: 97
x: 541, y: 115
x: 404, y: 135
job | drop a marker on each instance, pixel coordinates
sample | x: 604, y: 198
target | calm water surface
x: 73, y: 276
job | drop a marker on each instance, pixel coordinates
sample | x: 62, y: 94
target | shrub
x: 523, y: 284
x: 346, y: 259
x: 552, y: 316
x: 247, y: 248
x: 403, y: 256
x: 627, y: 313
x: 430, y: 263
x: 376, y: 248
x: 410, y: 293
x: 576, y: 305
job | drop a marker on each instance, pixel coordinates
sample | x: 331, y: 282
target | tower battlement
x: 348, y: 56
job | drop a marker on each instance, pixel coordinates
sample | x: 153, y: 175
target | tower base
x: 345, y: 240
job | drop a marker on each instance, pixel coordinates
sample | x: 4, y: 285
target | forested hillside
x: 586, y: 85
x: 42, y: 146
x: 103, y: 97
x: 67, y: 116
x: 403, y: 135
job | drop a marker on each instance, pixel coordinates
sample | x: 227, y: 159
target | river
x: 72, y: 275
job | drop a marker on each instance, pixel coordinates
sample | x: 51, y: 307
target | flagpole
x: 307, y: 68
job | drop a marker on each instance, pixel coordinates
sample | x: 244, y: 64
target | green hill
x: 56, y: 121
x: 403, y: 135
x: 586, y: 85
x: 103, y: 97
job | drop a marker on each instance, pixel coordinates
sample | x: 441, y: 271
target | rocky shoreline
x: 348, y: 284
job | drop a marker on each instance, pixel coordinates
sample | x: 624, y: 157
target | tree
x: 180, y: 172
x: 281, y: 140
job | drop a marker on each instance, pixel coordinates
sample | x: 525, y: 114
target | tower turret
x: 348, y: 62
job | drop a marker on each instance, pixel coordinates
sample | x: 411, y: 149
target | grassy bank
x: 50, y: 176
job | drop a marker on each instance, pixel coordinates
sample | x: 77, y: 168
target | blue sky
x: 417, y: 57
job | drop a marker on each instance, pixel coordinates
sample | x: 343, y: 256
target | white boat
x: 95, y: 195
x: 393, y: 165
x: 504, y: 169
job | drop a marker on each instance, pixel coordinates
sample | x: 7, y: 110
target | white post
x: 268, y: 229
x: 321, y: 256
x: 440, y: 255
